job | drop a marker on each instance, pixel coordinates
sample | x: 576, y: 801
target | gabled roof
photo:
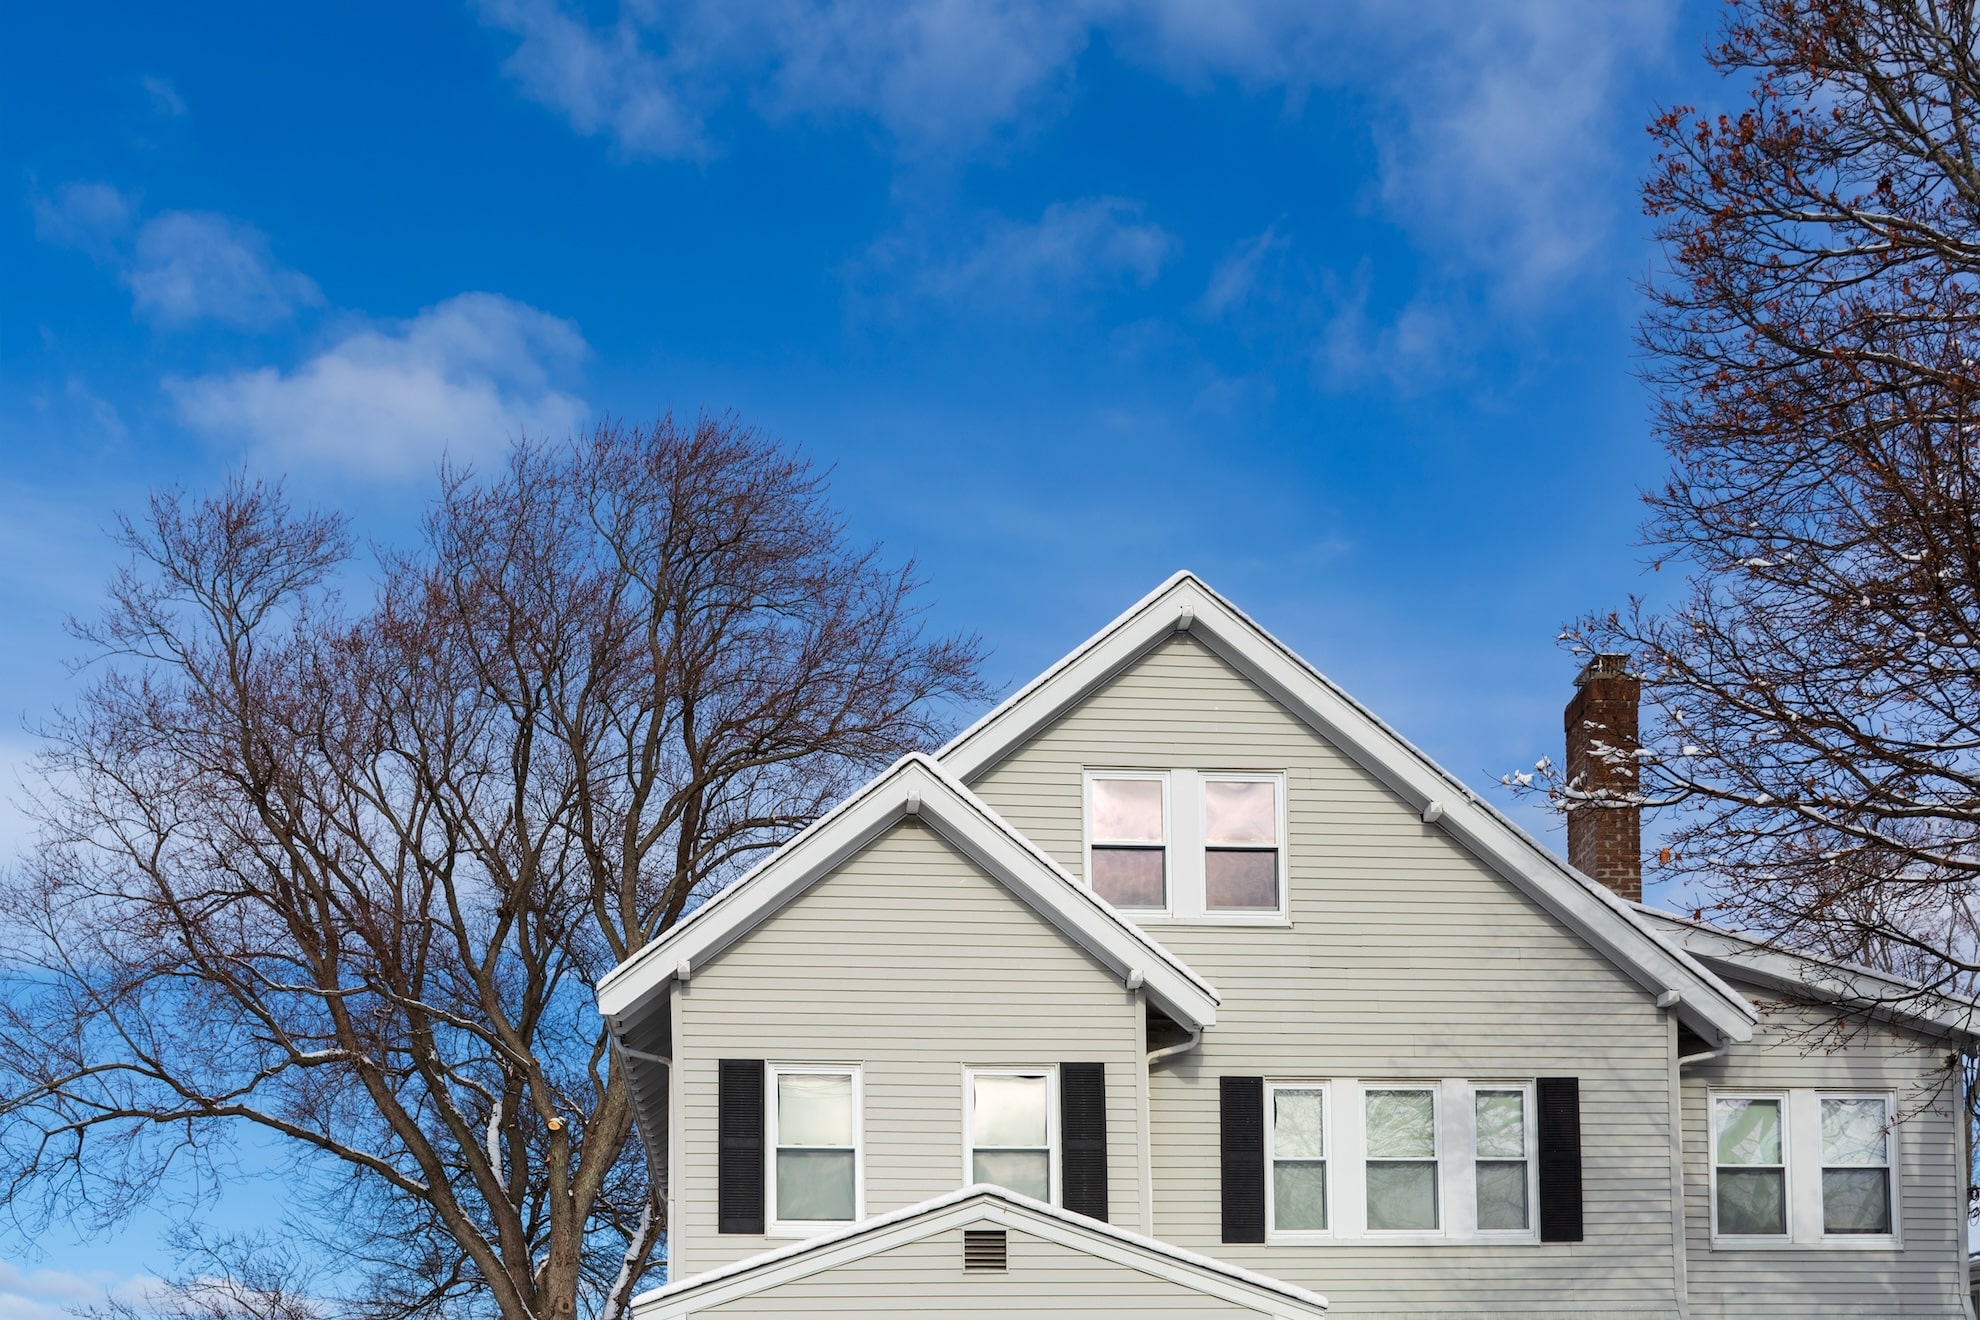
x: 1798, y: 973
x: 913, y: 786
x: 979, y: 1204
x: 1185, y: 604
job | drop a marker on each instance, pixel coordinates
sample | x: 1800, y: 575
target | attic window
x: 1128, y: 835
x: 985, y: 1249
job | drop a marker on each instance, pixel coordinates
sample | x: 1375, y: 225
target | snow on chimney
x: 1605, y: 843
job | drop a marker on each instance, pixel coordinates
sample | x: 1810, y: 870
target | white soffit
x: 1185, y: 604
x: 913, y: 786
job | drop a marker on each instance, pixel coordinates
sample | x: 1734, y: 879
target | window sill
x: 1148, y: 917
x: 1865, y: 1243
x: 807, y: 1229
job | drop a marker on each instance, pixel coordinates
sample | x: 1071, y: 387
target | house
x: 1180, y: 984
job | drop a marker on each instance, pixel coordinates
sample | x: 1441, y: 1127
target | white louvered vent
x: 984, y: 1249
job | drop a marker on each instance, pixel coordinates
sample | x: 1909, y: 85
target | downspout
x: 1171, y: 1051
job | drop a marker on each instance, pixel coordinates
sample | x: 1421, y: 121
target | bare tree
x: 347, y: 875
x: 1814, y: 696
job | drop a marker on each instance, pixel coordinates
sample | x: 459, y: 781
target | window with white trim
x: 1296, y: 1202
x: 1128, y: 839
x: 1241, y: 871
x: 1013, y: 1130
x: 1502, y: 1164
x: 1400, y: 1127
x: 1856, y: 1165
x: 814, y: 1137
x: 1749, y: 1165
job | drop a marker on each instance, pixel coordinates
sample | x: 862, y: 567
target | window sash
x: 1397, y: 1164
x: 1523, y: 1162
x: 1098, y: 843
x: 974, y: 1147
x: 805, y: 1154
x: 1299, y: 1166
x: 1213, y: 847
x: 1750, y: 1175
x: 1855, y: 1171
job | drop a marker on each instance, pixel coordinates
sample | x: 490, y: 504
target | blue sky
x: 1331, y: 304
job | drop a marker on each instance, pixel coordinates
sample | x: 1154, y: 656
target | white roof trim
x: 1796, y: 971
x: 978, y: 1204
x: 914, y: 785
x: 1185, y: 604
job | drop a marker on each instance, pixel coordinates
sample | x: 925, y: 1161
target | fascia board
x: 913, y: 785
x: 1185, y: 604
x: 962, y: 1208
x: 1794, y: 972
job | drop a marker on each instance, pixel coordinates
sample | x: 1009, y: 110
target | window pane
x: 1752, y: 1201
x: 1502, y: 1125
x: 1127, y: 810
x: 1853, y: 1132
x: 1856, y: 1201
x: 1025, y: 1171
x: 814, y: 1109
x: 814, y: 1184
x: 1401, y: 1125
x: 1010, y: 1111
x: 1298, y: 1131
x: 1128, y: 877
x: 1247, y: 879
x: 1749, y: 1131
x: 1299, y: 1196
x: 1240, y: 812
x: 1502, y: 1196
x: 1402, y: 1196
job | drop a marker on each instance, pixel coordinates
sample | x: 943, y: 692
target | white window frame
x: 1169, y: 850
x: 1330, y: 1157
x: 1789, y: 1147
x: 1845, y: 1241
x: 1053, y: 1159
x: 1439, y: 1114
x: 775, y: 1227
x: 1525, y: 1086
x: 1275, y: 915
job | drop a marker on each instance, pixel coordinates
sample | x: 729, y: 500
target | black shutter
x: 739, y: 1166
x: 1242, y: 1137
x: 1560, y: 1158
x: 1083, y: 1135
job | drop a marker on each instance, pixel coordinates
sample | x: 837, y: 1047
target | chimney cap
x: 1603, y: 664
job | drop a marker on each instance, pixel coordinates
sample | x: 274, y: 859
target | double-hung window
x: 1502, y: 1166
x: 1012, y: 1130
x: 1856, y: 1165
x: 1749, y: 1166
x: 1298, y: 1199
x: 1241, y: 871
x: 1400, y: 1127
x: 814, y: 1136
x: 1128, y: 839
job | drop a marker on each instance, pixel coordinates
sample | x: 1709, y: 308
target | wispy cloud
x: 190, y: 266
x: 58, y: 1294
x: 462, y: 378
x: 1073, y: 250
x: 1489, y: 118
x: 182, y: 267
x: 165, y: 98
x: 1236, y: 277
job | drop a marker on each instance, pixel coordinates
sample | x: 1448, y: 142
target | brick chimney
x: 1605, y: 843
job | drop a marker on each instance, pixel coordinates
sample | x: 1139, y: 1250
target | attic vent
x: 984, y: 1249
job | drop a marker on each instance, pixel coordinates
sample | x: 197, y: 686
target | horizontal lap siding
x: 1790, y: 1049
x: 910, y: 962
x: 1407, y: 959
x: 927, y: 1278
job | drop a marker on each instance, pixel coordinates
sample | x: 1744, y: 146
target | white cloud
x: 181, y: 267
x: 165, y: 98
x: 1072, y: 249
x: 462, y: 378
x: 90, y: 217
x: 190, y: 266
x: 57, y: 1294
x: 1490, y: 119
x: 1235, y: 278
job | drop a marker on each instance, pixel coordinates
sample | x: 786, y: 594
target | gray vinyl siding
x: 1793, y: 1048
x: 1406, y: 959
x: 911, y: 962
x: 926, y: 1278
